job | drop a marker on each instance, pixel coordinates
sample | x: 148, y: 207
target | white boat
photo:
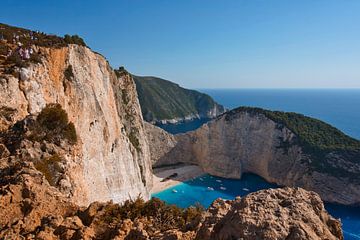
x: 218, y: 180
x: 174, y: 191
x: 223, y: 188
x: 201, y: 179
x: 210, y: 188
x: 246, y: 189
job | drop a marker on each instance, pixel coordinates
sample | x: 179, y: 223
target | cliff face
x: 160, y: 143
x: 166, y: 102
x: 239, y: 142
x: 111, y: 159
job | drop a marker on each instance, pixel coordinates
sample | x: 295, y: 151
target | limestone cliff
x: 111, y: 159
x: 160, y: 143
x: 244, y: 140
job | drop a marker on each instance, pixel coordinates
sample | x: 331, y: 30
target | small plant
x: 16, y: 60
x: 49, y: 167
x: 7, y: 112
x: 69, y: 74
x: 134, y: 141
x: 121, y: 71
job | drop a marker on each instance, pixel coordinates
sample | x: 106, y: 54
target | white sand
x: 185, y: 172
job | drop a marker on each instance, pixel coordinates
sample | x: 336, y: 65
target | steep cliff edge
x: 284, y: 148
x: 111, y: 159
x: 167, y: 102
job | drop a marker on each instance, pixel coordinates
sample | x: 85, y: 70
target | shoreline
x: 184, y: 173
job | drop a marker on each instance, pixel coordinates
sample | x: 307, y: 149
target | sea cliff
x: 111, y: 159
x: 314, y: 156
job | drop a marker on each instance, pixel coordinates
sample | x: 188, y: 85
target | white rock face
x: 231, y: 145
x: 160, y: 143
x: 111, y: 160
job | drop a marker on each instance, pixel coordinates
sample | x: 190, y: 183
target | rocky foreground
x: 31, y: 208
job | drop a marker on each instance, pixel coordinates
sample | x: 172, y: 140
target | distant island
x: 166, y: 102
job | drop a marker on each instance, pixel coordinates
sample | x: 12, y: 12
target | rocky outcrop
x: 160, y: 143
x: 246, y: 141
x: 286, y: 213
x: 112, y: 158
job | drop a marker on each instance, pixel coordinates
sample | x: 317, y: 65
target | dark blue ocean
x: 341, y: 108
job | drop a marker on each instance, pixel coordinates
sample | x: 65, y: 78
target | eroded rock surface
x: 242, y: 141
x: 287, y: 213
x: 112, y: 159
x: 160, y: 143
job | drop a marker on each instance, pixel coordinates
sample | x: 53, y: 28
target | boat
x: 223, y: 188
x: 210, y: 188
x: 246, y: 189
x: 174, y: 191
x: 218, y: 180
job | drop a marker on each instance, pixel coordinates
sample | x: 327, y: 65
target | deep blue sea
x: 340, y: 108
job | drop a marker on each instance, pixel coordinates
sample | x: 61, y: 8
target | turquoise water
x: 198, y: 189
x: 341, y: 108
x: 207, y: 188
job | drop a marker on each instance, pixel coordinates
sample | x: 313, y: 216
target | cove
x: 206, y: 188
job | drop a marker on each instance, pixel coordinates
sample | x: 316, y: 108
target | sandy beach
x: 185, y: 172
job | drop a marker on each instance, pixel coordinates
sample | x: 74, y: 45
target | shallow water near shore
x: 339, y: 107
x: 205, y: 189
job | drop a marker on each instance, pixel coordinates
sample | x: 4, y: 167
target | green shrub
x: 74, y: 39
x: 52, y: 123
x: 53, y: 117
x: 162, y: 215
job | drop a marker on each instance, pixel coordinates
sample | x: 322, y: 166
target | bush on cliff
x: 74, y: 39
x: 52, y: 124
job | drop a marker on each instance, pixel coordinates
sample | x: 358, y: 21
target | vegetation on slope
x: 161, y: 99
x: 27, y: 37
x: 17, y: 46
x: 163, y: 216
x: 331, y: 151
x: 51, y: 125
x: 311, y: 132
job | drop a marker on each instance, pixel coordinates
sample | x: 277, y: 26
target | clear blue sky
x: 212, y: 43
